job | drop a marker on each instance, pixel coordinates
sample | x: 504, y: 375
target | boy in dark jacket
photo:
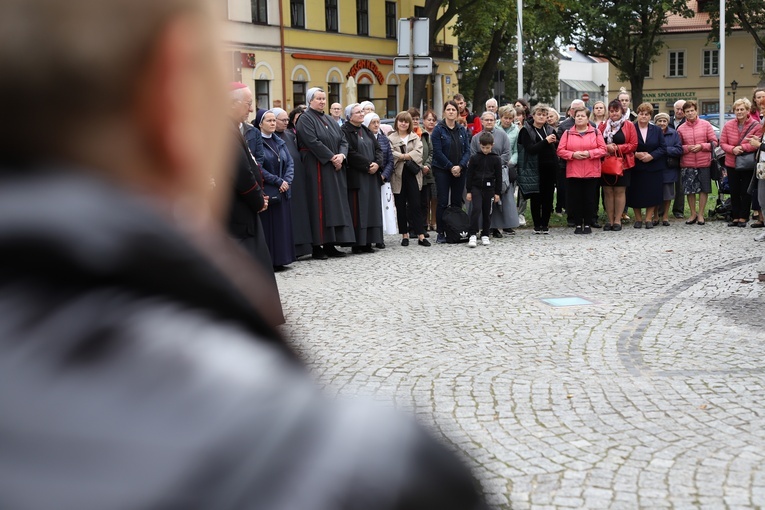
x: 483, y: 183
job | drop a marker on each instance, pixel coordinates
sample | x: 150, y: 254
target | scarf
x: 612, y: 127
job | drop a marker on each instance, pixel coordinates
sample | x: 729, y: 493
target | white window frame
x: 712, y: 53
x: 669, y: 63
x: 759, y: 60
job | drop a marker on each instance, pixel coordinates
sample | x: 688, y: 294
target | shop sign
x: 668, y: 96
x: 366, y: 64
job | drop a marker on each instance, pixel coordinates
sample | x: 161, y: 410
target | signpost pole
x: 411, y: 61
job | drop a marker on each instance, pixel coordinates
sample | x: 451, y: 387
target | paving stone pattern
x: 652, y: 397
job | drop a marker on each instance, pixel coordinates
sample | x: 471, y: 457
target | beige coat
x: 413, y: 147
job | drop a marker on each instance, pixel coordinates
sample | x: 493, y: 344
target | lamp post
x: 733, y: 87
x: 603, y: 92
x: 459, y: 74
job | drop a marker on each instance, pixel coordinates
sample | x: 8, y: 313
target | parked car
x: 714, y: 119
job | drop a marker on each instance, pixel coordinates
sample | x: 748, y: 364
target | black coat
x: 136, y: 373
x: 358, y: 162
x: 247, y: 189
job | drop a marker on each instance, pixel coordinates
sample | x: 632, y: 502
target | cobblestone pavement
x: 651, y: 397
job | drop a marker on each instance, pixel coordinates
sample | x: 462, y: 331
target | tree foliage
x: 625, y: 32
x: 748, y: 15
x: 488, y: 44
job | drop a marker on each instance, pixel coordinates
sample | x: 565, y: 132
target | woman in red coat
x: 621, y: 138
x: 582, y: 147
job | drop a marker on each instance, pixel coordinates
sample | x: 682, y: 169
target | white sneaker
x: 521, y: 220
x: 472, y: 242
x: 485, y: 241
x: 760, y: 237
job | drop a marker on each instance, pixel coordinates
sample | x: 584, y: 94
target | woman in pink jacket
x: 582, y: 146
x: 735, y: 141
x: 696, y: 135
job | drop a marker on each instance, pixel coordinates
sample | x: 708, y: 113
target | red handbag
x: 613, y: 164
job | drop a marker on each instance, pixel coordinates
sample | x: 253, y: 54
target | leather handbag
x: 409, y: 165
x: 746, y: 161
x: 715, y: 172
x: 613, y: 164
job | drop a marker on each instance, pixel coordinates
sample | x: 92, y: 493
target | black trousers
x: 679, y: 204
x: 408, y: 206
x: 582, y: 199
x: 481, y: 207
x: 425, y: 194
x: 740, y: 200
x: 541, y: 203
x: 561, y: 200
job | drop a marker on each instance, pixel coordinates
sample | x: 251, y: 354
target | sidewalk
x: 652, y: 396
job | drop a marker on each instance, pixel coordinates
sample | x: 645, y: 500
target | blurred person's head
x: 336, y: 110
x: 491, y: 105
x: 678, y: 107
x: 136, y: 89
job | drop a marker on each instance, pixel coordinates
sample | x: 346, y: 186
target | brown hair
x: 407, y: 117
x: 414, y: 112
x: 615, y: 105
x: 645, y: 107
x: 578, y: 109
x: 755, y: 108
x: 690, y: 104
x: 429, y: 113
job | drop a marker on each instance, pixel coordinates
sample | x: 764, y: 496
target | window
x: 298, y: 93
x: 333, y: 93
x: 362, y: 17
x: 297, y: 12
x: 709, y: 62
x: 259, y: 11
x: 419, y: 12
x: 364, y: 91
x: 708, y: 107
x: 759, y: 60
x: 262, y: 99
x: 330, y: 8
x: 648, y: 72
x: 390, y: 20
x: 676, y: 64
x: 391, y: 104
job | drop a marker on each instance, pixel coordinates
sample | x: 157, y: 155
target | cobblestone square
x: 650, y: 397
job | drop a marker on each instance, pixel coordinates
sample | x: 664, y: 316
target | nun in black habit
x: 365, y: 160
x: 324, y: 150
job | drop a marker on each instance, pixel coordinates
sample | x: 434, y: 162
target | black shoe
x: 545, y: 230
x: 318, y: 253
x: 616, y: 227
x: 496, y: 233
x: 570, y: 224
x: 426, y: 234
x: 367, y: 249
x: 405, y: 241
x: 356, y: 250
x: 665, y: 223
x: 595, y: 224
x: 509, y: 231
x: 332, y: 252
x: 649, y: 224
x: 733, y: 224
x: 587, y: 229
x: 423, y: 242
x: 678, y: 215
x: 578, y: 229
x: 380, y: 246
x: 606, y: 227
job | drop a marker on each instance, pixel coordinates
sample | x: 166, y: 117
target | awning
x: 582, y: 85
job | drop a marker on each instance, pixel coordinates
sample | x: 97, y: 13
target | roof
x: 700, y: 22
x: 582, y: 85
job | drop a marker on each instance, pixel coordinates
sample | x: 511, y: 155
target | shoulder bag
x: 409, y: 165
x: 715, y: 172
x: 746, y: 160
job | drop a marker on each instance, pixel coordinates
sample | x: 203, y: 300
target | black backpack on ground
x: 456, y: 225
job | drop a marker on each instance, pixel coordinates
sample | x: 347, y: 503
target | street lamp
x: 733, y: 87
x: 459, y: 74
x: 603, y: 91
x: 434, y: 73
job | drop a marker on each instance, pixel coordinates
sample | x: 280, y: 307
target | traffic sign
x: 418, y: 39
x: 422, y: 65
x: 585, y: 97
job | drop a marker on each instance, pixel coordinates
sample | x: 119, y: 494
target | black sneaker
x: 546, y: 230
x: 423, y: 242
x: 496, y: 233
x: 578, y: 229
x: 509, y: 231
x: 587, y: 230
x: 597, y: 225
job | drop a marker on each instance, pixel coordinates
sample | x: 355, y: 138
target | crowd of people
x: 495, y: 166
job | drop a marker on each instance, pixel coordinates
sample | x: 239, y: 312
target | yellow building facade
x: 688, y: 66
x: 281, y: 48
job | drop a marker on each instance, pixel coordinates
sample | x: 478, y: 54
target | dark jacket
x: 387, y: 167
x: 484, y: 169
x: 442, y: 141
x: 655, y: 145
x: 674, y: 150
x: 533, y: 153
x: 247, y: 190
x: 357, y: 162
x: 254, y: 139
x: 277, y: 168
x: 136, y: 372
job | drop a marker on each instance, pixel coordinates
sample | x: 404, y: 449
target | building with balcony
x: 688, y: 67
x: 281, y: 48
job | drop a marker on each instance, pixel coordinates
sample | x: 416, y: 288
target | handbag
x: 613, y: 164
x: 715, y: 172
x: 745, y: 161
x: 409, y: 165
x: 673, y: 162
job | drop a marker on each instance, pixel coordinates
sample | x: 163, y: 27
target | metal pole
x: 721, y: 63
x: 519, y: 40
x: 411, y: 62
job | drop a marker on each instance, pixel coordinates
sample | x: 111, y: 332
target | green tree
x: 488, y: 43
x: 625, y: 32
x: 748, y: 15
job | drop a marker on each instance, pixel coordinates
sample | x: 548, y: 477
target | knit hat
x: 661, y: 115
